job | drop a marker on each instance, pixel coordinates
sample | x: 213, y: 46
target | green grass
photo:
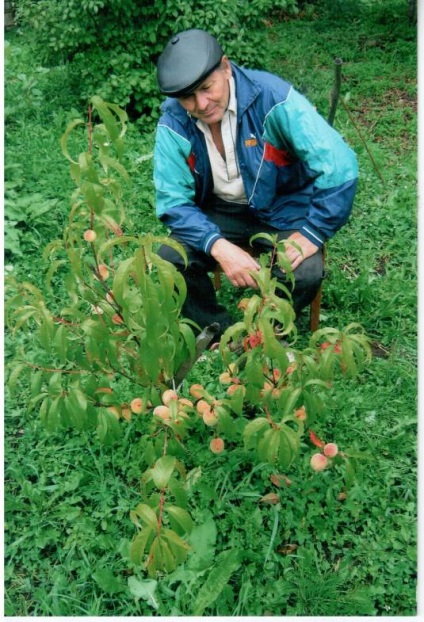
x: 67, y: 498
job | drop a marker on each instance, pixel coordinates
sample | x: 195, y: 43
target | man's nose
x: 201, y: 101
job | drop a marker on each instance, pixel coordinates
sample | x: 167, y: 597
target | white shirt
x: 227, y: 181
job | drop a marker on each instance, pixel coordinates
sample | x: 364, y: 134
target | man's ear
x: 226, y: 67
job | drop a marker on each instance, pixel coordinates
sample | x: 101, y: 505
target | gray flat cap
x: 187, y: 60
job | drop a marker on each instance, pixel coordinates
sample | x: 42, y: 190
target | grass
x: 67, y: 499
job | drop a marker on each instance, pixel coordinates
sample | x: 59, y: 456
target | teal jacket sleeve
x: 176, y: 192
x: 296, y: 126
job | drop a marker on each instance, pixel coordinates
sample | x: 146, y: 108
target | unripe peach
x: 96, y: 310
x: 217, y: 445
x: 117, y: 319
x: 331, y: 450
x: 163, y: 412
x: 109, y: 297
x: 90, y: 235
x: 209, y: 418
x: 196, y: 391
x: 126, y: 412
x: 169, y: 395
x: 202, y: 406
x: 137, y: 405
x: 319, y: 462
x: 300, y: 413
x: 103, y: 271
x: 225, y: 378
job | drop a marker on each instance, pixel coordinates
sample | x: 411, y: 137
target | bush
x: 112, y: 46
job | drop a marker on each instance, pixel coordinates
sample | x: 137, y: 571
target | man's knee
x: 310, y: 273
x: 170, y: 254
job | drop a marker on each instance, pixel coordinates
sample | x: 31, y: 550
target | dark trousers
x: 237, y: 225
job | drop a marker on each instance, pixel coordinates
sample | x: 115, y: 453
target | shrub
x: 105, y: 355
x: 112, y: 45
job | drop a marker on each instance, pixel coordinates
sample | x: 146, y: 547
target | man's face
x: 210, y: 100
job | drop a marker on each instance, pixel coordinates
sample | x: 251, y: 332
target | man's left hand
x: 307, y: 248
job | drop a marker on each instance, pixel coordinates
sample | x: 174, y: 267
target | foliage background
x: 67, y: 499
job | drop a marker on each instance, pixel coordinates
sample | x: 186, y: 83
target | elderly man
x: 240, y: 152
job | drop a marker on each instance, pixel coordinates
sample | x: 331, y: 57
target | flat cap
x: 187, y: 60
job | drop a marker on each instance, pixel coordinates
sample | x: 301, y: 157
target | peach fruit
x: 330, y: 450
x: 319, y: 462
x: 90, y: 235
x: 137, y: 405
x: 169, y: 395
x: 217, y: 445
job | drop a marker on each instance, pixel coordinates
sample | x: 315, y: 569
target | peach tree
x: 105, y: 341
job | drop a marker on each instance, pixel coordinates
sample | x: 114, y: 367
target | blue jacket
x: 297, y: 171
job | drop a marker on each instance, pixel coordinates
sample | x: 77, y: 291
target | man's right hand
x: 235, y: 262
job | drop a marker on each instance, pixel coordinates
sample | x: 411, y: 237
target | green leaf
x: 252, y: 429
x: 289, y: 445
x: 147, y: 515
x: 60, y: 343
x: 162, y: 471
x: 139, y: 544
x: 226, y: 564
x: 107, y: 581
x: 108, y: 428
x: 64, y: 139
x: 202, y: 540
x: 144, y: 589
x: 15, y: 375
x: 268, y: 446
x: 179, y: 519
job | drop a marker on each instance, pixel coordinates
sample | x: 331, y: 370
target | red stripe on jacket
x: 280, y: 157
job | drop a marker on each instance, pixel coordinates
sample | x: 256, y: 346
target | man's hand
x: 235, y: 262
x: 307, y: 247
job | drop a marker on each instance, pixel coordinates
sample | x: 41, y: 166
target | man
x: 240, y: 152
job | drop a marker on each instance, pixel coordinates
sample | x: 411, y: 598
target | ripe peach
x: 90, y: 235
x: 217, y: 445
x: 319, y: 462
x: 169, y: 395
x: 103, y: 271
x: 137, y: 405
x: 331, y: 450
x: 276, y: 374
x: 209, y: 418
x: 196, y: 391
x: 202, y: 406
x: 163, y: 412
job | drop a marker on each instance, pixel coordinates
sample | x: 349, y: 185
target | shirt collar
x: 232, y: 103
